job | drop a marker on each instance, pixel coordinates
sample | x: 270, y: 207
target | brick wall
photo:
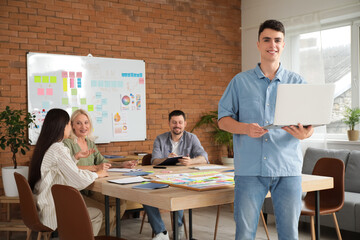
x: 191, y: 49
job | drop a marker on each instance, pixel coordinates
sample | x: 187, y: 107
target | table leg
x: 107, y: 217
x: 118, y: 220
x: 175, y: 225
x: 317, y: 215
x: 190, y: 225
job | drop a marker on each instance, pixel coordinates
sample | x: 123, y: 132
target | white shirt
x: 58, y: 167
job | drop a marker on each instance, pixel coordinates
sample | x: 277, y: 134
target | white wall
x: 254, y: 12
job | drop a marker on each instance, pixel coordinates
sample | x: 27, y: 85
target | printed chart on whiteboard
x: 111, y: 90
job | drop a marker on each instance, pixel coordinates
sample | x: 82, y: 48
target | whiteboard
x: 111, y: 90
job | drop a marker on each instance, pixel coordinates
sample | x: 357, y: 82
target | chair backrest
x: 28, y: 208
x: 331, y: 198
x: 71, y: 213
x: 146, y: 160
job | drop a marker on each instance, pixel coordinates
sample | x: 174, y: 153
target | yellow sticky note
x: 65, y: 84
x: 52, y: 79
x: 90, y: 108
x: 45, y: 79
x: 37, y: 79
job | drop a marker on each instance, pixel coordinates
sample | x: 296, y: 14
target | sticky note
x: 40, y: 91
x: 93, y: 83
x: 120, y: 84
x: 45, y: 79
x: 99, y: 108
x: 98, y: 95
x: 74, y: 91
x: 71, y: 83
x: 64, y: 74
x: 79, y: 82
x: 104, y: 101
x: 99, y: 120
x: 65, y: 101
x: 71, y: 74
x: 141, y: 80
x: 74, y: 109
x: 105, y: 114
x: 79, y: 74
x: 82, y: 101
x: 65, y: 84
x: 101, y: 83
x: 107, y: 84
x: 90, y: 108
x: 52, y: 79
x: 46, y: 105
x: 37, y: 79
x: 49, y: 91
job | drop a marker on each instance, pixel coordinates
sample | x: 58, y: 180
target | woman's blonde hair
x: 73, y: 116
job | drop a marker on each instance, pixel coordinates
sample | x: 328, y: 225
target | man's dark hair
x: 272, y: 24
x: 176, y: 113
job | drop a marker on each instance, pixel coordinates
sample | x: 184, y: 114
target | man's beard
x: 177, y: 133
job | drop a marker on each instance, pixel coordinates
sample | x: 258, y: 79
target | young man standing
x: 265, y: 160
x: 177, y: 142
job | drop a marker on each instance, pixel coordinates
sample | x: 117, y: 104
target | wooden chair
x: 331, y: 200
x: 72, y: 215
x: 29, y: 211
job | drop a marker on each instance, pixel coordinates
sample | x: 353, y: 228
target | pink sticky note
x: 64, y: 74
x: 71, y: 83
x: 79, y: 74
x: 49, y: 91
x: 40, y: 91
x: 141, y: 81
x: 72, y: 74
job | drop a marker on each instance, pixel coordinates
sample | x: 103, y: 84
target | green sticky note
x: 52, y: 79
x: 74, y: 109
x: 82, y: 101
x: 45, y: 79
x: 37, y: 79
x: 65, y: 101
x: 73, y: 91
x: 90, y: 108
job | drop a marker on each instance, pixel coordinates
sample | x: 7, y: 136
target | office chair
x: 29, y: 211
x: 331, y: 200
x: 72, y: 215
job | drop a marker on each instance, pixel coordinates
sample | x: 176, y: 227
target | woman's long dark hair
x: 52, y: 131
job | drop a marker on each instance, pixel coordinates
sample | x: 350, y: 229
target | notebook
x: 308, y: 104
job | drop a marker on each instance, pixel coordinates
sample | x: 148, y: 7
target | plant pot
x: 9, y: 183
x: 353, y: 135
x: 227, y: 161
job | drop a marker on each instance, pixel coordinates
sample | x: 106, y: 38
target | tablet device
x: 171, y: 161
x: 308, y: 104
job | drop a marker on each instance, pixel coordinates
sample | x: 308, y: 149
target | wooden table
x: 11, y: 225
x: 175, y: 199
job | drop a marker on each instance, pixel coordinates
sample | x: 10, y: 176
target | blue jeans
x: 250, y: 193
x: 155, y: 220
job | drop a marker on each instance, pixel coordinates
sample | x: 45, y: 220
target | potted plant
x: 351, y: 118
x: 220, y: 137
x: 13, y: 127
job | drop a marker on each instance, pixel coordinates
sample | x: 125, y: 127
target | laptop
x: 308, y: 104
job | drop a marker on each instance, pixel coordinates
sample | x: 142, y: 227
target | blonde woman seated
x: 81, y: 139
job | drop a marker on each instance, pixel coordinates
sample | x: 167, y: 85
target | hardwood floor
x: 203, y: 227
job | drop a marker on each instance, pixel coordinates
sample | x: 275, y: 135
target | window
x: 325, y: 56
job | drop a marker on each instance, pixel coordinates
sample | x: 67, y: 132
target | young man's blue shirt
x: 250, y: 98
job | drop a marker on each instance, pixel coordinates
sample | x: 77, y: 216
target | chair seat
x: 310, y: 211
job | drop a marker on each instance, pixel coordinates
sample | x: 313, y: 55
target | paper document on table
x: 129, y: 180
x: 123, y: 170
x: 208, y: 167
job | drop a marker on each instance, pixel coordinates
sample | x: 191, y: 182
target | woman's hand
x: 103, y: 166
x: 102, y: 173
x: 129, y: 164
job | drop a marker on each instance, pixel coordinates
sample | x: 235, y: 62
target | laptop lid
x: 308, y: 104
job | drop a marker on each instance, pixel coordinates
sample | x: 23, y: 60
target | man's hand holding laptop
x: 300, y: 132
